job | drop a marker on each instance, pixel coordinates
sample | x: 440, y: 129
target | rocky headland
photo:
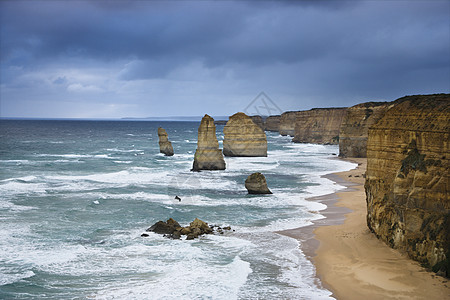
x: 318, y: 125
x: 208, y: 156
x: 242, y: 137
x: 258, y: 120
x: 287, y: 123
x: 355, y: 127
x: 165, y: 146
x: 407, y: 181
x: 272, y: 123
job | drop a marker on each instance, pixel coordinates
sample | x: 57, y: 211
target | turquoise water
x: 75, y: 197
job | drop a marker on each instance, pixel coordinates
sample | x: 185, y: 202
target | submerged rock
x: 208, y: 156
x: 256, y: 184
x: 164, y: 145
x: 242, y: 137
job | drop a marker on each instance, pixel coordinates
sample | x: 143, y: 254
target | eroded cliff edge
x: 355, y: 127
x: 407, y: 180
x: 318, y: 125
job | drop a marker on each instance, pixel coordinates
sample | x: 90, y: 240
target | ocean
x: 75, y: 197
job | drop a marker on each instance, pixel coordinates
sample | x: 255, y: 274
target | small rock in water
x: 256, y: 184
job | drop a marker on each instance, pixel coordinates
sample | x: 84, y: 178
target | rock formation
x: 272, y: 123
x: 256, y: 184
x: 172, y: 229
x: 287, y: 123
x: 355, y: 127
x: 258, y: 120
x: 242, y: 137
x: 208, y: 156
x: 407, y: 181
x: 164, y: 145
x: 318, y: 125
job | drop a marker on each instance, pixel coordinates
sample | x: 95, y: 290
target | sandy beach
x: 351, y: 261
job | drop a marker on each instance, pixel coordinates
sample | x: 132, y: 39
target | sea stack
x: 407, y: 179
x: 164, y: 145
x: 208, y: 156
x: 242, y: 137
x: 256, y: 184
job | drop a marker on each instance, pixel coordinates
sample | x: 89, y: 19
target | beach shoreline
x: 350, y: 261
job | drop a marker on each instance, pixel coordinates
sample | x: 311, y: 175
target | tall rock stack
x: 355, y: 127
x: 208, y: 156
x: 407, y: 179
x: 318, y: 125
x: 242, y: 137
x: 164, y: 145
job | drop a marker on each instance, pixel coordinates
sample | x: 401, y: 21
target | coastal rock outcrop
x: 258, y: 120
x: 164, y: 145
x: 318, y: 125
x: 172, y: 229
x: 407, y: 180
x: 242, y: 137
x: 256, y: 184
x: 355, y: 127
x: 272, y: 123
x: 208, y: 156
x: 287, y: 123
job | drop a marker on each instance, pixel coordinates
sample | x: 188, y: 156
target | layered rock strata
x: 318, y: 125
x: 242, y: 137
x: 208, y: 156
x: 258, y: 120
x: 272, y: 123
x: 256, y: 184
x: 355, y: 127
x: 407, y: 181
x: 287, y: 123
x: 165, y: 146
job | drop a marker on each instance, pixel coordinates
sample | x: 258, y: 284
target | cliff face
x: 407, y: 181
x: 258, y: 120
x: 287, y: 123
x: 164, y: 145
x: 355, y: 127
x: 208, y: 156
x: 272, y: 123
x: 319, y: 125
x: 242, y: 137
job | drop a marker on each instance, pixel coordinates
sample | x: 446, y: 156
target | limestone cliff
x: 272, y: 123
x: 318, y: 125
x: 407, y: 181
x: 287, y: 123
x: 242, y: 137
x: 355, y: 127
x: 208, y: 156
x: 164, y: 145
x: 258, y: 120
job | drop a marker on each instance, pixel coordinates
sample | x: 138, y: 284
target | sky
x: 114, y: 59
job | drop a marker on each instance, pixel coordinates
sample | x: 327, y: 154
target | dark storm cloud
x: 327, y: 53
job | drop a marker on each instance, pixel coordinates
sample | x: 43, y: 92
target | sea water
x: 75, y: 197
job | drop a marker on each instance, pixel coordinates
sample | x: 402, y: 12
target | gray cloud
x: 303, y: 53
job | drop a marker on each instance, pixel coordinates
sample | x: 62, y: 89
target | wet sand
x: 350, y: 261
